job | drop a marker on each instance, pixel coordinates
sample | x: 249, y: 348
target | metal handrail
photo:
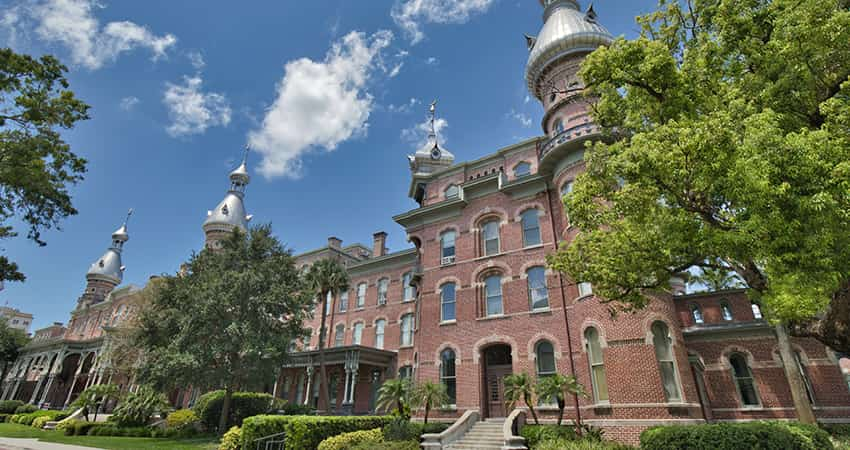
x: 567, y: 135
x: 270, y: 442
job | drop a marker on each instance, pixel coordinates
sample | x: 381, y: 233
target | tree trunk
x: 528, y: 403
x: 805, y: 414
x: 832, y: 328
x: 225, y: 410
x: 561, y: 405
x: 324, y: 393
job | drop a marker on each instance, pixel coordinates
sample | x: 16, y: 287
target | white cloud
x: 72, y: 23
x: 432, y: 61
x: 196, y: 59
x: 320, y: 104
x: 418, y: 133
x: 128, y: 103
x: 527, y: 99
x: 404, y: 107
x: 410, y: 15
x: 191, y: 110
x: 396, y: 69
x: 520, y: 117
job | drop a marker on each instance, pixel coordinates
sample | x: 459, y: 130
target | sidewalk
x: 35, y: 444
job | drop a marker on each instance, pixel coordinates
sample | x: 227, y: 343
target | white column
x: 353, y: 386
x: 309, y: 391
x: 347, y: 381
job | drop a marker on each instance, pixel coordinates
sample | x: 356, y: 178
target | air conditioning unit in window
x: 382, y: 300
x: 447, y: 260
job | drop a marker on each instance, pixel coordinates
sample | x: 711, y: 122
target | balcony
x: 578, y: 133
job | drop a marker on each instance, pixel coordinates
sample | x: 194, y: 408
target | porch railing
x: 271, y: 442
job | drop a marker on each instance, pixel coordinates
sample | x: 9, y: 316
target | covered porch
x: 355, y: 373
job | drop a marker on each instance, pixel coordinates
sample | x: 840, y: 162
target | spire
x: 108, y: 267
x: 230, y: 212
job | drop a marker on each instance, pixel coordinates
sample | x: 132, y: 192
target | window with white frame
x: 447, y: 374
x: 339, y: 336
x: 538, y: 294
x: 329, y: 301
x: 522, y: 169
x: 358, y: 333
x: 409, y: 290
x: 380, y: 325
x: 744, y: 381
x: 490, y: 237
x: 530, y: 228
x: 544, y: 354
x: 756, y: 311
x: 493, y: 295
x: 447, y: 247
x: 597, y: 367
x: 343, y: 301
x: 585, y: 289
x: 725, y: 311
x: 383, y: 287
x: 696, y: 314
x: 663, y: 343
x: 361, y: 295
x: 447, y: 302
x: 407, y: 330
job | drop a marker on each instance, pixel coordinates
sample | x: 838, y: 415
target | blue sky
x: 330, y: 93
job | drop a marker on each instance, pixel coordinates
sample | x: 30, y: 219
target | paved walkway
x: 35, y: 444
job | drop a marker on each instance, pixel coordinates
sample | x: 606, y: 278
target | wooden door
x: 496, y: 390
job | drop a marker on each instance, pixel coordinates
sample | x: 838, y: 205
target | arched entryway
x: 496, y: 364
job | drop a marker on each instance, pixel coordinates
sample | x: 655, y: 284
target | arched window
x: 597, y: 366
x: 361, y: 295
x: 343, y: 301
x: 725, y: 311
x: 358, y: 333
x: 493, y: 294
x: 447, y: 374
x: 380, y: 325
x: 559, y: 126
x: 696, y: 314
x: 522, y: 169
x: 545, y: 355
x: 339, y: 336
x: 585, y: 289
x: 452, y: 191
x: 407, y: 330
x: 405, y: 372
x: 666, y: 361
x: 447, y: 302
x: 756, y: 311
x: 490, y: 237
x: 409, y: 290
x: 538, y: 294
x: 447, y: 247
x: 530, y: 228
x: 744, y: 381
x: 383, y: 287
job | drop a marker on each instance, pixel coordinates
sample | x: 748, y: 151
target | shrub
x: 110, y: 429
x: 27, y: 419
x: 838, y: 430
x: 305, y: 432
x: 232, y: 440
x: 181, y: 420
x: 294, y: 409
x: 403, y: 430
x: 393, y: 445
x: 138, y: 407
x: 67, y: 427
x: 242, y: 405
x: 345, y: 441
x: 535, y: 434
x: 81, y: 428
x: 25, y: 409
x: 4, y: 417
x: 40, y: 422
x: 763, y: 435
x: 585, y: 444
x: 9, y: 406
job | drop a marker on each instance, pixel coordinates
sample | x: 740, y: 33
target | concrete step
x: 482, y: 434
x: 51, y: 425
x: 462, y: 446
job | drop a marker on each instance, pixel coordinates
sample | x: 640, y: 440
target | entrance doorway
x: 497, y: 364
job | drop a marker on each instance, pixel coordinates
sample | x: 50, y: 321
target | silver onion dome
x: 230, y: 212
x: 109, y: 265
x: 566, y: 30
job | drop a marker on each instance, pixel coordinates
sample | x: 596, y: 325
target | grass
x: 13, y: 430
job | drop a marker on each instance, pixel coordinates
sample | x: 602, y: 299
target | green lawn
x: 129, y: 443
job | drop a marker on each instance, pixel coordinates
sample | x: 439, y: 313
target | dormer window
x: 522, y: 169
x: 452, y: 191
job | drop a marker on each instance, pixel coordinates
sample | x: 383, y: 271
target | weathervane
x: 432, y: 110
x: 129, y: 213
x: 245, y: 153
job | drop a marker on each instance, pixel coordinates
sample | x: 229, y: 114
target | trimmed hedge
x: 182, y: 419
x: 242, y: 405
x: 9, y: 406
x: 28, y: 418
x: 392, y: 445
x: 306, y: 432
x: 232, y: 440
x: 345, y: 441
x: 567, y: 444
x: 764, y: 435
x: 25, y: 409
x: 4, y: 417
x: 401, y: 429
x: 535, y: 434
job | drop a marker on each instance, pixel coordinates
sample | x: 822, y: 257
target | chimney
x: 335, y: 243
x: 380, y: 246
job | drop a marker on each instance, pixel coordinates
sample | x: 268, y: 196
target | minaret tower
x: 555, y: 56
x: 107, y: 272
x: 429, y: 158
x: 230, y: 213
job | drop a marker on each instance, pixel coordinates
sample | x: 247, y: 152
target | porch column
x: 37, y: 387
x: 309, y: 392
x: 46, y: 392
x: 74, y: 381
x: 347, y: 381
x: 353, y: 386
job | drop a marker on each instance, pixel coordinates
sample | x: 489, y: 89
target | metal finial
x: 129, y: 213
x: 432, y: 110
x: 245, y: 153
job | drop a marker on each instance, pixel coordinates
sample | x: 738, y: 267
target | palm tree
x: 394, y: 392
x: 94, y: 397
x: 326, y: 278
x: 518, y: 387
x: 428, y: 395
x: 556, y: 387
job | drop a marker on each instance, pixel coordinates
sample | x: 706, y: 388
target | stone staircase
x: 486, y: 435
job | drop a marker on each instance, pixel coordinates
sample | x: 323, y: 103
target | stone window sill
x: 533, y: 247
x: 448, y: 322
x: 408, y: 300
x: 545, y: 310
x: 492, y: 317
x: 405, y: 346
